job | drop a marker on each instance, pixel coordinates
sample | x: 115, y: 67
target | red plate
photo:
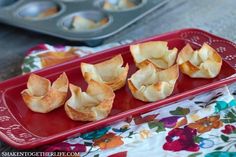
x: 24, y: 129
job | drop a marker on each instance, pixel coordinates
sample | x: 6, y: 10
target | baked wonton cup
x: 117, y: 5
x: 40, y: 96
x: 202, y: 63
x: 94, y: 104
x: 109, y: 72
x: 149, y: 84
x: 80, y: 23
x: 155, y: 52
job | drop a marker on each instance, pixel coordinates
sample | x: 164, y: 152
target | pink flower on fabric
x: 181, y: 139
x: 229, y: 129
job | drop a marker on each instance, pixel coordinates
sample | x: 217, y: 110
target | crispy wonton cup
x: 40, y: 96
x: 120, y: 5
x: 202, y: 63
x: 94, y: 104
x: 149, y: 84
x: 109, y: 72
x: 82, y: 24
x: 155, y: 52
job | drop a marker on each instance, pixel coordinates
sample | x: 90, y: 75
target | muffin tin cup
x: 28, y: 15
x: 66, y: 23
x: 137, y: 4
x: 40, y: 10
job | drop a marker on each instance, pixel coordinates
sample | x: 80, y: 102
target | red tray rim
x: 75, y: 131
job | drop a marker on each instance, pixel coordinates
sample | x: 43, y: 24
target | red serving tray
x: 24, y: 129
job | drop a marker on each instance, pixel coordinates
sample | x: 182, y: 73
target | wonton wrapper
x: 117, y: 5
x: 80, y: 23
x: 155, y: 52
x: 92, y: 105
x: 149, y: 85
x: 48, y: 12
x: 45, y: 13
x: 109, y: 72
x: 40, y: 96
x: 202, y: 63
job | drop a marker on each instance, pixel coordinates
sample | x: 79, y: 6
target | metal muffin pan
x: 55, y: 17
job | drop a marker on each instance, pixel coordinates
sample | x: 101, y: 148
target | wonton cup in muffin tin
x: 109, y: 72
x: 119, y: 5
x: 85, y: 21
x: 39, y: 10
x: 40, y: 96
x: 80, y: 23
x: 154, y: 52
x: 150, y: 84
x: 202, y: 63
x: 94, y: 104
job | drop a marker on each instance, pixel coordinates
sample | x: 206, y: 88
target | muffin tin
x: 55, y: 17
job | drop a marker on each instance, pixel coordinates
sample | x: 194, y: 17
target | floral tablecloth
x: 204, y: 125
